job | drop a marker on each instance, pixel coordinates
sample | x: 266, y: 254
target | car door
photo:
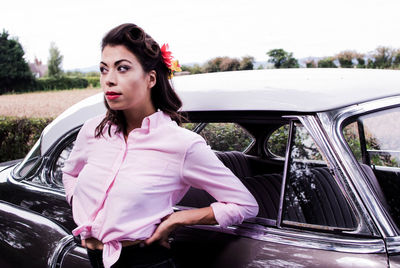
x: 305, y: 217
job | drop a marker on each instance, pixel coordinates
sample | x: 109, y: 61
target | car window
x: 226, y: 137
x: 306, y: 149
x: 277, y: 142
x: 376, y: 135
x: 313, y: 197
x: 374, y: 139
x: 59, y: 163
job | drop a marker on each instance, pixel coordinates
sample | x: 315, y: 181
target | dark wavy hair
x: 149, y: 55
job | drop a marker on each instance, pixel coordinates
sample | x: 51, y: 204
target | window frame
x: 375, y: 221
x: 281, y: 223
x: 365, y: 153
x: 46, y: 174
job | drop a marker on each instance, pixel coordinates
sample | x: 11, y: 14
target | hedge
x: 18, y: 135
x: 224, y: 136
x: 94, y: 81
x: 51, y: 83
x: 62, y: 82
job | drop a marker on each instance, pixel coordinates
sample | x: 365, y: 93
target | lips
x: 112, y: 95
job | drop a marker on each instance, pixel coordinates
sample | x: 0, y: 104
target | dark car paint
x: 27, y: 239
x: 192, y: 246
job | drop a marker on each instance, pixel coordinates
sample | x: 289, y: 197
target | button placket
x: 98, y: 218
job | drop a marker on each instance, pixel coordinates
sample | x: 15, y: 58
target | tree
x: 360, y: 60
x: 346, y: 57
x: 222, y: 64
x: 247, y: 63
x: 327, y: 63
x: 383, y: 57
x: 282, y: 59
x: 213, y: 65
x: 396, y: 59
x: 55, y: 61
x: 229, y: 64
x: 14, y: 70
x: 195, y: 69
x: 311, y: 64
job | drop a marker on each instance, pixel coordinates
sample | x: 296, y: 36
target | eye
x: 123, y: 68
x: 103, y: 70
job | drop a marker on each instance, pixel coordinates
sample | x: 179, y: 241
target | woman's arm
x: 202, y: 169
x: 181, y: 218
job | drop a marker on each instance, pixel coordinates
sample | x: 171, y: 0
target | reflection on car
x: 318, y: 148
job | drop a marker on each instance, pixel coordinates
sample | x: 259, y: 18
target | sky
x: 197, y: 31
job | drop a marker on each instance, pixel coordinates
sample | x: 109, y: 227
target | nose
x: 110, y: 78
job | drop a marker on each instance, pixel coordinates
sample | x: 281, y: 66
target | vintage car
x: 318, y: 148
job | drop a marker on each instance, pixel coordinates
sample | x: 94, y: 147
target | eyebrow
x: 116, y: 63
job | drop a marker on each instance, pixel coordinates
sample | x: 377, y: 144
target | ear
x: 152, y: 78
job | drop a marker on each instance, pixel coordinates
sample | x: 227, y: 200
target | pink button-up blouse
x: 121, y: 189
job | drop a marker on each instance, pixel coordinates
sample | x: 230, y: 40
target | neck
x: 135, y: 118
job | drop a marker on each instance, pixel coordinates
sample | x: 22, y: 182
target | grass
x: 42, y: 104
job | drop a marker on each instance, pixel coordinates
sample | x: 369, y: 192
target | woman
x: 129, y: 167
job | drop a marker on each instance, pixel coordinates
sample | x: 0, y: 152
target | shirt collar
x: 155, y: 119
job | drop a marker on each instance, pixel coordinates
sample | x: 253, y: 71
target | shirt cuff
x: 226, y: 214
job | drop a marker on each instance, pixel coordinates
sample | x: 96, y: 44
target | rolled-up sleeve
x: 74, y: 164
x: 202, y: 169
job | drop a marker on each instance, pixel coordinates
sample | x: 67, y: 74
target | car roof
x: 296, y: 90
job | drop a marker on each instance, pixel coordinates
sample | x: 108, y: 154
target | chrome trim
x: 295, y: 237
x: 314, y: 127
x: 332, y: 122
x: 62, y: 244
x: 299, y: 238
x: 35, y: 187
x: 393, y: 245
x: 285, y: 172
x: 323, y: 142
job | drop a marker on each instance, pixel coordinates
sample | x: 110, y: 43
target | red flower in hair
x: 167, y: 55
x: 171, y: 63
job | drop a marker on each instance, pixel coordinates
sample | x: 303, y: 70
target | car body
x: 318, y: 148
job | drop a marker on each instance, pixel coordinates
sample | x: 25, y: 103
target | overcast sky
x: 199, y: 30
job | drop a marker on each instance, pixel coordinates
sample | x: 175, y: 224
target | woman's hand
x: 180, y: 218
x: 92, y: 243
x: 162, y: 232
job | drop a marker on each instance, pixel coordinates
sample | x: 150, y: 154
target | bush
x: 226, y: 137
x: 18, y: 135
x: 63, y: 82
x: 327, y: 63
x: 94, y: 81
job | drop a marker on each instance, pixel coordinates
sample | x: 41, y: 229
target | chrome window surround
x: 51, y: 159
x: 37, y: 181
x: 32, y: 172
x: 332, y: 122
x: 313, y: 126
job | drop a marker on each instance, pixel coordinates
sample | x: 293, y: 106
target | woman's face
x: 125, y: 85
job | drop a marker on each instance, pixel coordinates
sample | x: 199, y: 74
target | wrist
x: 176, y: 219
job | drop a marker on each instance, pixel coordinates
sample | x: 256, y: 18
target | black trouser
x: 152, y: 256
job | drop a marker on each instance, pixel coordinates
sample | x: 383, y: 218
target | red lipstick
x: 112, y: 95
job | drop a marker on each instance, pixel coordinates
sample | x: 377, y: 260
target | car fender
x: 28, y: 239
